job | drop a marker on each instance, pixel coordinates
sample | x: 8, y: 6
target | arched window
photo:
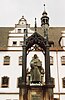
x: 63, y: 60
x: 6, y: 60
x: 63, y: 82
x: 5, y: 81
x: 51, y: 60
x: 20, y: 60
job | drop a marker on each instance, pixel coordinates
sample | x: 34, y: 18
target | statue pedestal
x: 36, y: 92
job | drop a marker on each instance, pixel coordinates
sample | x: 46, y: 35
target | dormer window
x: 19, y: 30
x: 14, y: 43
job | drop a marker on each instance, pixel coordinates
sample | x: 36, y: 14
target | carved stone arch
x: 36, y: 38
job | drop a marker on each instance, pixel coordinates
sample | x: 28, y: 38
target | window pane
x: 21, y: 42
x: 6, y: 60
x: 20, y: 60
x: 5, y: 81
x: 63, y: 60
x: 19, y: 30
x: 14, y: 43
x: 51, y: 60
x: 63, y: 82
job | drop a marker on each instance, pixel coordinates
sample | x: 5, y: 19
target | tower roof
x: 44, y: 12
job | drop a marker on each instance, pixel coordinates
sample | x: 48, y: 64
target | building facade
x: 11, y: 41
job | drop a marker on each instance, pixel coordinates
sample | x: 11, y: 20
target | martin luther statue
x: 36, y: 66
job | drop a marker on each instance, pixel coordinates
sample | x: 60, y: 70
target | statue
x: 36, y: 66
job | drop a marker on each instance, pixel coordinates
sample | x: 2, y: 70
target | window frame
x: 6, y: 60
x: 63, y: 82
x: 14, y: 43
x: 63, y: 60
x: 19, y: 30
x: 51, y: 60
x: 5, y: 82
x: 20, y: 60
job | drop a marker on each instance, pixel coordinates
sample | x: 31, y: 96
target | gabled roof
x: 54, y: 35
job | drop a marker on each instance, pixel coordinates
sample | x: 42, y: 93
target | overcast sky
x: 12, y: 10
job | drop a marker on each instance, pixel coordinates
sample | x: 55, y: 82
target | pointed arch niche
x: 35, y: 44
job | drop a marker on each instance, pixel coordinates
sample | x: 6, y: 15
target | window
x: 52, y: 81
x: 5, y: 81
x: 51, y: 60
x: 63, y: 60
x: 6, y: 60
x: 20, y: 60
x: 21, y: 42
x: 19, y: 30
x: 15, y: 99
x: 25, y: 30
x: 63, y: 82
x: 14, y: 43
x: 56, y: 98
x: 19, y: 81
x: 8, y: 99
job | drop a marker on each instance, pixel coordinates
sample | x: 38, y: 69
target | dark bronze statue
x: 36, y: 66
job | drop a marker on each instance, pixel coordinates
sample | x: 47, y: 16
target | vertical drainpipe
x: 58, y: 73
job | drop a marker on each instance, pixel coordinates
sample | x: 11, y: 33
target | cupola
x: 44, y: 19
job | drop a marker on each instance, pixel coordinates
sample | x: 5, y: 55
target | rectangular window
x: 5, y: 81
x: 63, y: 60
x: 63, y: 82
x: 14, y: 43
x: 56, y: 99
x: 21, y: 42
x: 15, y: 99
x: 20, y: 60
x: 8, y: 99
x: 51, y: 60
x: 19, y: 80
x: 25, y: 31
x: 6, y: 60
x: 19, y: 30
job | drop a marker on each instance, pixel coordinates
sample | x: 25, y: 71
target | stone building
x: 11, y: 41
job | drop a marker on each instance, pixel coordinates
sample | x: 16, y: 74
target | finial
x: 35, y: 25
x: 44, y: 7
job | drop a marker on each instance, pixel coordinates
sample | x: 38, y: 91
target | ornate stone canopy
x: 36, y: 38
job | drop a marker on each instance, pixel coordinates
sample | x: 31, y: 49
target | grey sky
x: 12, y: 10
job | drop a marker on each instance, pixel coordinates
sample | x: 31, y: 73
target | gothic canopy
x: 36, y: 38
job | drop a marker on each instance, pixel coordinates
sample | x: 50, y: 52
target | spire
x: 44, y: 18
x: 35, y: 25
x: 44, y: 7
